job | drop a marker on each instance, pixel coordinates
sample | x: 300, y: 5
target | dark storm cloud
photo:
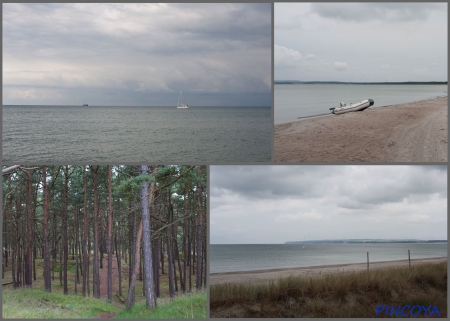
x: 271, y: 181
x: 368, y: 185
x: 146, y: 48
x: 389, y: 12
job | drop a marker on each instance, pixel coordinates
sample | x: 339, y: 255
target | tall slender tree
x: 199, y: 231
x: 65, y: 243
x: 47, y: 280
x: 146, y: 200
x: 96, y: 276
x: 85, y: 236
x: 110, y: 248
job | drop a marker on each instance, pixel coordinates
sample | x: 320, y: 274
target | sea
x: 252, y: 257
x: 136, y: 134
x: 292, y: 101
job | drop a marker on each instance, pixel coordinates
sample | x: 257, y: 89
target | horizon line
x: 364, y: 82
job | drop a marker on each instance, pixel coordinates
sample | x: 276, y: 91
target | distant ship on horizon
x: 85, y: 105
x: 180, y: 104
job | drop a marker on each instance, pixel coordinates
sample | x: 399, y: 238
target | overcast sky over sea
x: 137, y: 54
x: 361, y: 42
x: 276, y: 204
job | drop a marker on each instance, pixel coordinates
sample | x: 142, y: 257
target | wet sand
x: 411, y: 132
x: 274, y: 274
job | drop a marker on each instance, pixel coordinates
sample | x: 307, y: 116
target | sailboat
x: 180, y: 102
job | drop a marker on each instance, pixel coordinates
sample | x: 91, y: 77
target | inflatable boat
x: 344, y: 108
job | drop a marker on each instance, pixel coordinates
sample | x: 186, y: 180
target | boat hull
x: 353, y: 107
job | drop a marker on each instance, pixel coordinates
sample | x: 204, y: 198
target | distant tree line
x: 366, y: 241
x: 298, y: 82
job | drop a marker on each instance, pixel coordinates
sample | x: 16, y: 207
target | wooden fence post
x: 367, y: 261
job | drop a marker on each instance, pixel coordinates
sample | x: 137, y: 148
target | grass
x: 183, y: 307
x: 36, y: 303
x: 32, y: 303
x: 335, y: 295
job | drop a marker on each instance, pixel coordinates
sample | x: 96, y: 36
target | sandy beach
x: 267, y: 275
x: 411, y: 132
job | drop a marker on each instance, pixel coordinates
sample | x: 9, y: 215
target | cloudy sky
x: 276, y: 204
x: 361, y: 42
x: 137, y: 54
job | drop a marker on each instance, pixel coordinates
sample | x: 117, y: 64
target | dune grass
x: 353, y: 294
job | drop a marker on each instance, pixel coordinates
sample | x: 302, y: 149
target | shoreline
x: 407, y: 132
x: 261, y: 276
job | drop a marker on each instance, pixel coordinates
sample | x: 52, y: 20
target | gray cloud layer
x: 60, y: 51
x: 361, y: 41
x: 387, y: 12
x: 274, y: 204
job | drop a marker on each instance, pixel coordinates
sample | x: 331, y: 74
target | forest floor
x: 104, y: 278
x: 41, y: 304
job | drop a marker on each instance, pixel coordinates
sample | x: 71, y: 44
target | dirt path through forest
x: 104, y: 277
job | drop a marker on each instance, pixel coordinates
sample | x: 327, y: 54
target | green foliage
x: 133, y: 184
x: 183, y: 307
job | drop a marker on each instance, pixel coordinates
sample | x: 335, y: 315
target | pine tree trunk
x: 184, y: 240
x: 88, y: 281
x: 85, y: 232
x: 131, y: 294
x: 65, y: 244
x: 77, y: 275
x: 119, y: 257
x: 29, y: 254
x: 170, y: 267
x: 110, y: 248
x: 47, y: 281
x: 96, y: 275
x: 199, y: 234
x: 146, y: 199
x: 12, y: 241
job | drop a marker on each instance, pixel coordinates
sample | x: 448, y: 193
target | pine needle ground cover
x: 345, y: 295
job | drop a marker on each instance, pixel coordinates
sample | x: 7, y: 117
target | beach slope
x: 410, y: 132
x: 274, y: 274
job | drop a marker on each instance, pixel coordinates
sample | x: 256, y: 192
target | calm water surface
x: 250, y: 257
x: 293, y: 101
x: 136, y: 134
